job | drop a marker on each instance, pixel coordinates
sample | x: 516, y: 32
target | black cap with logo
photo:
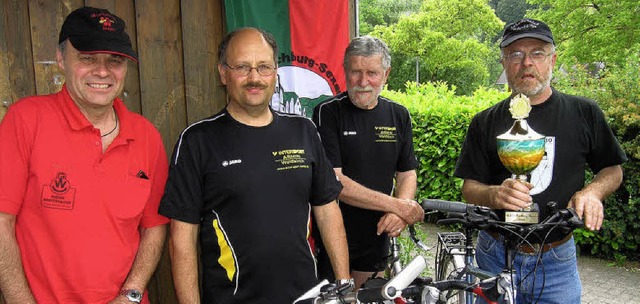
x: 94, y: 30
x: 526, y: 28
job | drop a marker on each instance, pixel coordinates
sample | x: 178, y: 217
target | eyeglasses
x: 245, y: 70
x: 518, y: 56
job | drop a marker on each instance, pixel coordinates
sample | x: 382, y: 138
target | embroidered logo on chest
x: 227, y: 163
x: 386, y: 134
x: 58, y: 194
x: 290, y: 159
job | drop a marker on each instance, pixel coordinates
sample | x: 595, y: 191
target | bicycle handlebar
x: 389, y: 291
x: 444, y: 206
x: 480, y: 217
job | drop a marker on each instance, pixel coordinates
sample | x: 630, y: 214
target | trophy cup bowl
x: 520, y: 150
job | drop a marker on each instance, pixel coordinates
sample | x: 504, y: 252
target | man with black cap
x: 81, y: 179
x: 576, y: 136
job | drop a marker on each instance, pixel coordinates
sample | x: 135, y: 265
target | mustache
x: 255, y: 85
x: 529, y: 71
x: 362, y: 89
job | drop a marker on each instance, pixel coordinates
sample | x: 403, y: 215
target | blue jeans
x: 552, y: 279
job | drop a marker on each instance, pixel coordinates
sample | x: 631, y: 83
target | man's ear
x: 60, y: 59
x: 223, y: 72
x: 386, y: 74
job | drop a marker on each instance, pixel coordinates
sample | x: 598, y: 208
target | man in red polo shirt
x: 81, y: 179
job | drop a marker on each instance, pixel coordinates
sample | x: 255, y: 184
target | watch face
x: 134, y: 296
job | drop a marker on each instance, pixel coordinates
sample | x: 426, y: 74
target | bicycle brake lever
x: 573, y: 220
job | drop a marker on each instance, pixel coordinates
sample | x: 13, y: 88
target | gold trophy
x: 520, y: 150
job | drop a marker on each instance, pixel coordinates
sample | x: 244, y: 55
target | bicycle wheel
x: 450, y: 267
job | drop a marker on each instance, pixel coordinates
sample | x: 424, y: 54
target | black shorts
x: 369, y: 256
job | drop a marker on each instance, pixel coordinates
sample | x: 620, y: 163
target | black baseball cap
x: 526, y: 28
x: 95, y: 30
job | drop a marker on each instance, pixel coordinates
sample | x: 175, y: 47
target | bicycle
x: 455, y: 253
x: 407, y: 287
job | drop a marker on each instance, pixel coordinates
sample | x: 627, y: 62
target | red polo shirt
x: 78, y: 210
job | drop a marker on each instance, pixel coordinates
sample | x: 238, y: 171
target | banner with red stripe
x: 311, y: 35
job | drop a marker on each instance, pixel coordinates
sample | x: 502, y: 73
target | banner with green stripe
x: 312, y: 36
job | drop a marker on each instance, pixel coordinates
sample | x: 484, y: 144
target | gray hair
x: 63, y: 46
x: 367, y: 46
x: 222, y: 49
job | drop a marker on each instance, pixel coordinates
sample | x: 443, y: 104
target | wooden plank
x: 202, y: 30
x: 125, y: 9
x: 17, y: 38
x: 5, y: 91
x: 161, y: 72
x: 162, y: 91
x: 46, y: 18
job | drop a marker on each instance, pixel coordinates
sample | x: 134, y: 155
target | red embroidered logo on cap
x: 106, y: 23
x: 106, y: 20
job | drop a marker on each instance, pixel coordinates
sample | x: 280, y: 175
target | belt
x: 533, y: 248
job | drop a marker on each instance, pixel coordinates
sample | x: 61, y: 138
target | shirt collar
x: 77, y: 120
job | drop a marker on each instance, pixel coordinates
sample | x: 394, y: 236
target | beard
x: 543, y: 81
x: 360, y: 101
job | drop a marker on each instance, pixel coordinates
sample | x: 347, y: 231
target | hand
x: 512, y: 194
x: 410, y: 211
x: 391, y: 224
x: 589, y: 208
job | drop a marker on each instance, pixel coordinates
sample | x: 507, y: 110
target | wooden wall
x: 175, y: 83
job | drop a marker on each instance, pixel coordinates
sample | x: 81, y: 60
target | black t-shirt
x: 576, y: 135
x: 370, y: 146
x: 250, y: 189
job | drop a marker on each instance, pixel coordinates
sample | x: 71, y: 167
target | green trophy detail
x: 520, y: 150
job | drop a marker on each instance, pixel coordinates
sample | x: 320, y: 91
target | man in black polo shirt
x: 248, y: 179
x: 368, y: 139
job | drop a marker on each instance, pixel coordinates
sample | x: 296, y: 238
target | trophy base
x: 521, y: 217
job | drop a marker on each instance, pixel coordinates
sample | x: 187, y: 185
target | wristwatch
x: 345, y: 284
x: 132, y: 295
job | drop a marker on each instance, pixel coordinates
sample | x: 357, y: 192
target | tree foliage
x: 451, y: 40
x: 384, y: 12
x: 510, y: 10
x: 592, y: 31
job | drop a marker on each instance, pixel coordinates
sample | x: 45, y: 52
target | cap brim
x: 93, y: 45
x: 510, y: 40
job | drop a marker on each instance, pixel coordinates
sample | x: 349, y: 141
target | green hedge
x: 440, y: 121
x: 441, y: 118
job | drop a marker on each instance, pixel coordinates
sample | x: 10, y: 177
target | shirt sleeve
x: 606, y: 149
x: 473, y: 160
x: 326, y: 186
x: 182, y: 198
x: 15, y: 147
x: 158, y: 177
x: 326, y: 119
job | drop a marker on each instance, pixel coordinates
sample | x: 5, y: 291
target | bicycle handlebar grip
x: 394, y: 287
x: 444, y: 206
x: 370, y: 295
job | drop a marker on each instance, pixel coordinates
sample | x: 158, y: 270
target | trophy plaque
x: 520, y: 150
